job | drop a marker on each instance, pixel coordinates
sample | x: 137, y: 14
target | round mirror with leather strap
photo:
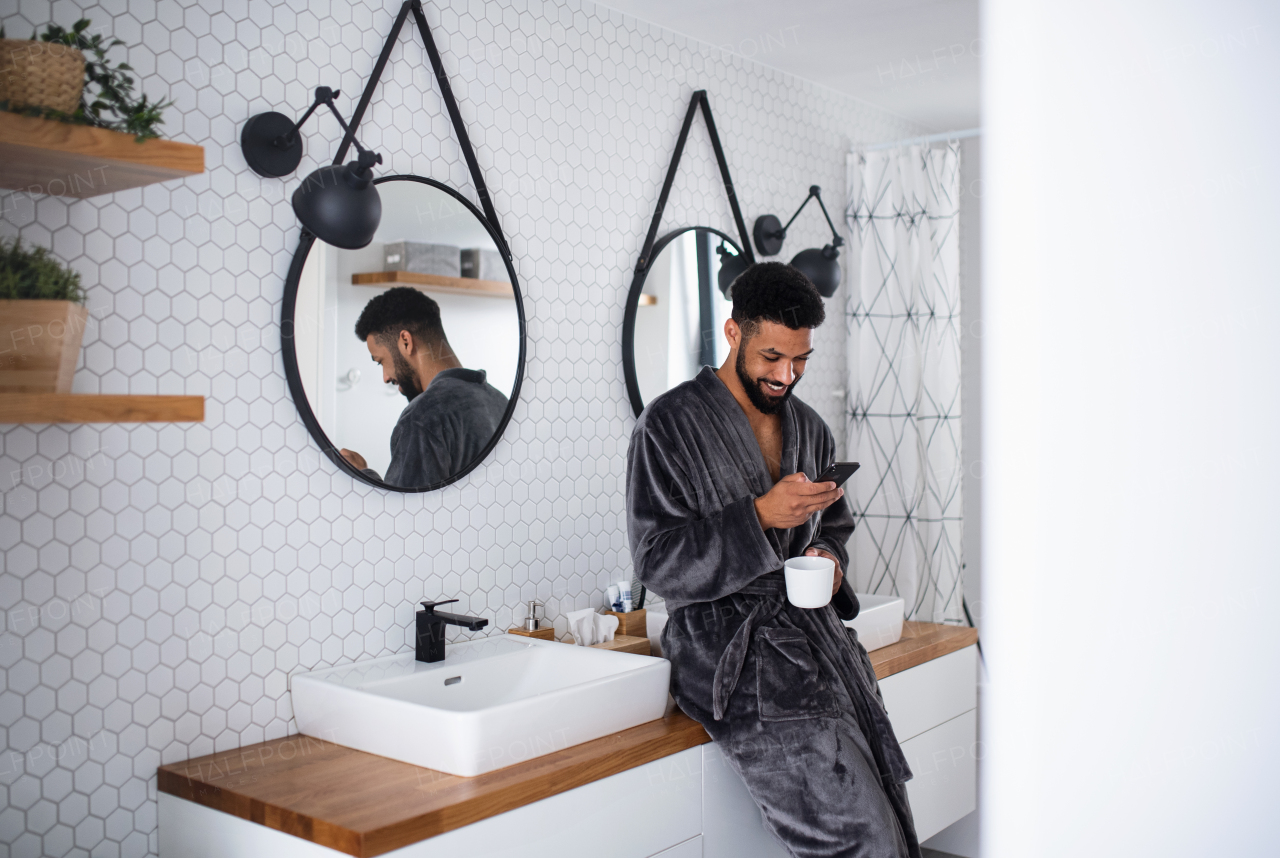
x: 405, y: 357
x: 675, y: 313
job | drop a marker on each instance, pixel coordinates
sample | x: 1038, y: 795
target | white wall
x: 161, y: 582
x: 1131, y: 370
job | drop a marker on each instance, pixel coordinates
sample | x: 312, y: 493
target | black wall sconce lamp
x: 731, y: 265
x: 821, y: 266
x: 339, y: 203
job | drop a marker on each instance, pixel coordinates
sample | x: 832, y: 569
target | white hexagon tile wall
x: 161, y: 582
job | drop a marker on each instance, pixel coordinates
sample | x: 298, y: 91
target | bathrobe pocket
x: 789, y: 683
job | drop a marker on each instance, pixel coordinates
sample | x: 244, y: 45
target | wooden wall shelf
x: 42, y: 156
x: 435, y: 283
x: 99, y: 408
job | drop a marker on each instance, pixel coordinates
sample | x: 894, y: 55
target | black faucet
x: 430, y: 646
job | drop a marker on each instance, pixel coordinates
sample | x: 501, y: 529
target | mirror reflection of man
x: 452, y: 412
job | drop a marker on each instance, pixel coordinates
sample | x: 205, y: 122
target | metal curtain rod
x: 922, y: 141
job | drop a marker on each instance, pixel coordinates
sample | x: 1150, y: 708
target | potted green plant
x: 65, y: 75
x: 42, y: 319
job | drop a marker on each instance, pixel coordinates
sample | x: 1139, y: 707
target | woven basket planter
x: 39, y: 345
x: 40, y: 74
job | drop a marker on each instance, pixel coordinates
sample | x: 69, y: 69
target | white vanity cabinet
x: 934, y: 711
x: 933, y: 708
x: 653, y: 809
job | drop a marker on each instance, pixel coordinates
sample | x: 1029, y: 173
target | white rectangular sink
x: 879, y: 622
x: 492, y: 702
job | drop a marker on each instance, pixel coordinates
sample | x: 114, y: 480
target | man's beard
x: 406, y: 379
x: 763, y: 402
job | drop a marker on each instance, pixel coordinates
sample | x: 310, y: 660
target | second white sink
x: 492, y: 702
x: 879, y: 622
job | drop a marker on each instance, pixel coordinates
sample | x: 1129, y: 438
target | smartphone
x: 837, y: 473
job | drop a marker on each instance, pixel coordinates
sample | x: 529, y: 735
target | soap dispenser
x: 533, y: 624
x: 531, y: 616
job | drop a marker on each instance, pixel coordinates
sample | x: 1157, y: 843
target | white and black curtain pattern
x: 903, y: 415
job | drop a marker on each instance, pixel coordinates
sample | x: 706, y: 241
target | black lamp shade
x: 730, y: 267
x: 340, y: 205
x: 822, y: 267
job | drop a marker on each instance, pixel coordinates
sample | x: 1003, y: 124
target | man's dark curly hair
x: 775, y: 292
x: 401, y: 308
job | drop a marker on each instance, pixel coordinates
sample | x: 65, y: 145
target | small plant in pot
x: 42, y: 319
x: 64, y: 75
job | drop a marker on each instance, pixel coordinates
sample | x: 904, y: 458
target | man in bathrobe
x: 719, y: 495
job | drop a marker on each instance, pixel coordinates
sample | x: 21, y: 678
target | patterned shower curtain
x: 903, y: 416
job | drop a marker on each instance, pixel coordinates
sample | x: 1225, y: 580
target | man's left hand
x: 357, y: 461
x: 818, y: 552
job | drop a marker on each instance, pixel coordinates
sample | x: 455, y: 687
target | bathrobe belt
x: 771, y: 585
x: 871, y: 715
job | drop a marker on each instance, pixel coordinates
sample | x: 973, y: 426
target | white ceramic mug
x: 809, y: 581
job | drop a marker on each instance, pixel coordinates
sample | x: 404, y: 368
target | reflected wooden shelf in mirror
x: 436, y: 282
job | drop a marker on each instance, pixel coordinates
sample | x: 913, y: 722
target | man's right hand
x: 357, y: 461
x: 793, y: 499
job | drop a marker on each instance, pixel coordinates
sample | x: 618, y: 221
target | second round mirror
x: 675, y: 320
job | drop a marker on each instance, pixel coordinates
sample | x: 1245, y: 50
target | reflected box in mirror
x: 422, y: 258
x: 481, y: 264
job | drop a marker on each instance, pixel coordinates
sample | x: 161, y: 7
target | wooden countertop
x: 305, y: 786
x: 920, y: 642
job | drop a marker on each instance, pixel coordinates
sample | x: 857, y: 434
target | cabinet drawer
x: 732, y: 826
x: 925, y: 696
x: 666, y: 794
x: 945, y: 768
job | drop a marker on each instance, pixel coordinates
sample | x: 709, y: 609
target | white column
x: 1132, y: 370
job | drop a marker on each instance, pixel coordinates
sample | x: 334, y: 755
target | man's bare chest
x: 769, y: 437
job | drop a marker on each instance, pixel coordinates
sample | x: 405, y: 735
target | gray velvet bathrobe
x: 788, y: 694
